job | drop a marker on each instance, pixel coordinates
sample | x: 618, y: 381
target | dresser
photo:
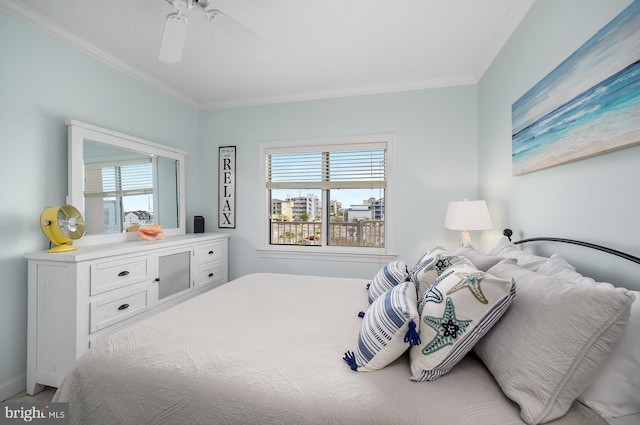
x: 77, y: 298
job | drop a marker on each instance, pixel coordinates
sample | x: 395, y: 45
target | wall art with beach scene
x: 588, y: 105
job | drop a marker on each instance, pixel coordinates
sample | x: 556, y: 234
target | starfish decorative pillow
x: 459, y: 307
x: 430, y: 266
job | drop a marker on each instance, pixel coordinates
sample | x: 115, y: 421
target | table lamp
x: 467, y: 215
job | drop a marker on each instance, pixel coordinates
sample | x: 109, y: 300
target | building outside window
x: 328, y: 196
x: 281, y: 210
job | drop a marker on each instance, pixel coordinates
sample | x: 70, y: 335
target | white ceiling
x: 287, y: 50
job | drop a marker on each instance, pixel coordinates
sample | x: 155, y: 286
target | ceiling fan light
x: 175, y: 31
x: 181, y: 4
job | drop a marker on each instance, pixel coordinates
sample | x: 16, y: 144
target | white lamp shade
x: 468, y: 215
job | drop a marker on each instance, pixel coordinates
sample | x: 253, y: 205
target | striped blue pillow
x: 388, y: 277
x: 388, y: 328
x: 456, y: 311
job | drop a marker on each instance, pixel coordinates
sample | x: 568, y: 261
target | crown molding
x: 40, y: 22
x: 510, y: 22
x: 350, y: 91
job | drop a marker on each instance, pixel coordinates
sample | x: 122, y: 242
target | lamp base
x: 465, y: 238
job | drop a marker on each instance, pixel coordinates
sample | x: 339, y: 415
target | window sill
x: 323, y: 254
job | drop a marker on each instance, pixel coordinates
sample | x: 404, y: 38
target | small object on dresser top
x: 152, y: 232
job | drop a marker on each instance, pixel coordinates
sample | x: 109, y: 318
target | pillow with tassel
x: 389, y: 276
x: 389, y: 328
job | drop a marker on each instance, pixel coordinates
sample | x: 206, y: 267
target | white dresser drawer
x: 108, y: 309
x: 210, y: 274
x: 109, y: 275
x: 83, y: 296
x: 210, y: 252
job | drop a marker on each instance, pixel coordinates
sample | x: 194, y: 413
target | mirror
x: 119, y: 181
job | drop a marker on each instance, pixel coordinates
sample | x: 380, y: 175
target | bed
x: 275, y: 348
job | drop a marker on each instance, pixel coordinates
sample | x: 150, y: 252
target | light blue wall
x: 436, y: 162
x: 43, y: 82
x: 595, y: 199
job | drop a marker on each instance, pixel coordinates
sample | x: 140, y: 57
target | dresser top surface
x: 90, y: 252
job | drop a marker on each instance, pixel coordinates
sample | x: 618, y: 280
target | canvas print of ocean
x: 588, y: 105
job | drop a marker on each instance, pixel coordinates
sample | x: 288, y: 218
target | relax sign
x: 227, y: 187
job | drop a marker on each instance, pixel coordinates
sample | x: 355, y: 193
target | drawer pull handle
x: 123, y: 273
x: 210, y: 252
x: 210, y: 274
x: 123, y: 307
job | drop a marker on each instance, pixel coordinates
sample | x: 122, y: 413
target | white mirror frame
x: 78, y: 132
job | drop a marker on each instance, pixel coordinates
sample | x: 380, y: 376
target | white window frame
x: 118, y: 193
x: 331, y: 253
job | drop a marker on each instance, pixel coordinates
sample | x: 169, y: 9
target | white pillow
x: 456, y: 311
x: 615, y: 390
x: 389, y: 276
x: 388, y: 328
x: 554, y: 338
x: 482, y: 261
x: 559, y: 267
x: 507, y: 249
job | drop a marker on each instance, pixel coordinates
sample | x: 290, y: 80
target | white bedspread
x: 267, y: 349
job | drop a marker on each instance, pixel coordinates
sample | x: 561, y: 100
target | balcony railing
x: 366, y: 233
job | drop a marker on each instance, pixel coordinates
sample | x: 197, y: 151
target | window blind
x: 124, y: 179
x: 338, y: 167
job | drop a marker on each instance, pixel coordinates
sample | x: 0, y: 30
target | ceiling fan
x: 175, y: 28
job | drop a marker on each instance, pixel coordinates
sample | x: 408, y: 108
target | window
x: 123, y: 191
x: 329, y: 196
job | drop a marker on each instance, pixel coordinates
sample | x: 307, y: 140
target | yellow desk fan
x: 62, y: 224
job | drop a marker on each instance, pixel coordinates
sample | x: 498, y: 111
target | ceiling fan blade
x: 175, y: 30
